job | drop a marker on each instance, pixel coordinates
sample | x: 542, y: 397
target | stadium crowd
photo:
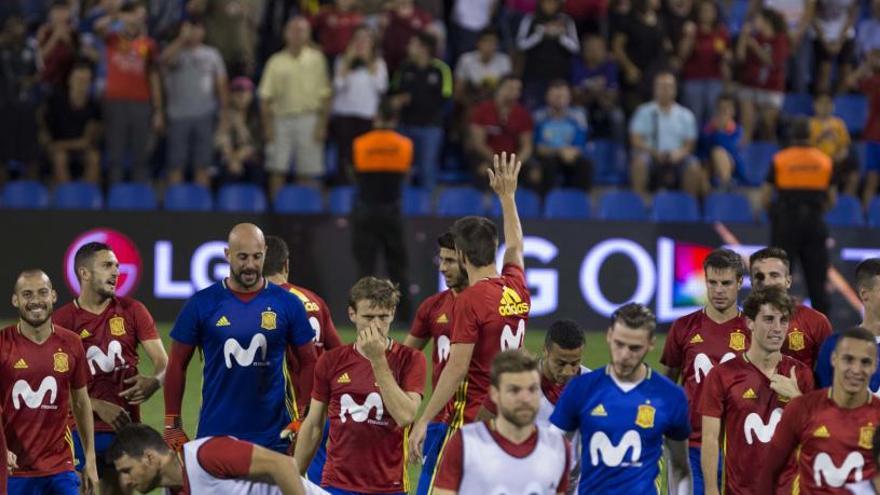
x: 224, y: 91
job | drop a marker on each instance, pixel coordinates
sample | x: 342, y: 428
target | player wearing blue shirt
x: 243, y: 326
x: 624, y: 412
x: 868, y: 288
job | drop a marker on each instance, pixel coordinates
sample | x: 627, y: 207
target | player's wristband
x: 291, y: 430
x: 173, y: 422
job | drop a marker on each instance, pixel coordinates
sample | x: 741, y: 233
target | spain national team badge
x: 645, y: 416
x: 737, y: 341
x: 268, y: 320
x: 60, y: 362
x: 117, y: 326
x: 866, y: 436
x: 796, y: 340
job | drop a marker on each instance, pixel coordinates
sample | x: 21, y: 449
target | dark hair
x: 477, y: 238
x: 567, y: 334
x: 277, y: 253
x: 86, y: 253
x: 446, y: 240
x: 664, y: 73
x: 774, y: 296
x: 130, y: 7
x: 725, y: 96
x: 696, y: 12
x: 866, y: 270
x: 799, y: 130
x: 82, y: 64
x: 31, y: 272
x: 558, y: 83
x: 428, y: 40
x: 823, y: 94
x: 512, y: 361
x: 777, y: 22
x: 379, y: 292
x: 386, y: 112
x: 856, y: 333
x: 134, y: 440
x: 59, y: 4
x: 770, y: 252
x: 485, y: 33
x: 725, y: 259
x: 636, y: 316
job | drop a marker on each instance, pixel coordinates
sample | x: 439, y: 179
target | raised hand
x: 504, y: 174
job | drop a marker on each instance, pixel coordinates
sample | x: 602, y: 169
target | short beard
x: 238, y: 278
x: 36, y: 323
x: 511, y: 417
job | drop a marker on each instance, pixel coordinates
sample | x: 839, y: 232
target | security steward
x: 800, y: 175
x: 382, y: 162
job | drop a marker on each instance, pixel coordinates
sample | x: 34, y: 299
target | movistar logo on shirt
x: 222, y: 322
x: 511, y: 304
x: 33, y: 399
x: 106, y: 362
x: 824, y: 470
x: 703, y: 364
x: 513, y: 340
x: 754, y: 426
x: 232, y: 350
x: 603, y: 450
x: 361, y: 412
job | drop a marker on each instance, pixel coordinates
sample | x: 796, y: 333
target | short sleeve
x: 690, y: 124
x: 321, y: 383
x: 451, y: 469
x: 328, y: 329
x: 219, y: 66
x: 299, y: 330
x: 566, y: 413
x: 79, y: 377
x: 641, y: 122
x: 266, y: 90
x: 186, y: 328
x: 421, y: 328
x: 226, y: 457
x: 515, y: 272
x: 413, y: 379
x: 680, y: 425
x: 673, y: 351
x: 145, y: 326
x: 805, y: 381
x: 712, y: 401
x: 824, y: 373
x: 465, y: 320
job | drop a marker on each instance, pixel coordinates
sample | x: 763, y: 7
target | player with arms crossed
x: 111, y: 328
x: 371, y: 391
x: 433, y: 322
x: 831, y: 429
x: 743, y: 398
x: 808, y: 328
x: 244, y: 326
x: 218, y: 465
x: 43, y: 378
x: 488, y: 317
x: 625, y: 412
x: 706, y: 338
x: 509, y: 454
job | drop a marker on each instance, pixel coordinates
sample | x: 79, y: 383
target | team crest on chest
x: 866, y: 436
x: 60, y: 362
x: 737, y: 341
x: 269, y: 320
x: 796, y: 340
x: 117, y: 326
x: 645, y: 416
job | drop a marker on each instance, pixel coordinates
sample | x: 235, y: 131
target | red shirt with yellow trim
x: 807, y: 330
x: 434, y: 321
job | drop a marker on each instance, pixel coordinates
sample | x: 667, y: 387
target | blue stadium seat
x: 797, y: 104
x: 757, y: 158
x: 622, y: 205
x: 244, y: 198
x: 874, y: 213
x: 299, y: 199
x: 460, y: 201
x: 728, y: 207
x: 847, y: 212
x: 853, y: 109
x: 571, y: 204
x: 416, y: 201
x: 131, y: 196
x: 188, y: 197
x: 609, y: 162
x: 341, y: 200
x: 77, y: 196
x: 25, y: 194
x: 528, y: 204
x: 675, y: 206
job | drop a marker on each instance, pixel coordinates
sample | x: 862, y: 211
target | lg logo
x: 126, y: 251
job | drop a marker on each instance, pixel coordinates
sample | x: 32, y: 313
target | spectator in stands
x: 705, y: 51
x: 498, y: 125
x: 398, y: 25
x: 18, y: 126
x: 421, y: 88
x: 165, y: 18
x: 560, y: 142
x: 478, y: 72
x: 762, y: 48
x: 510, y: 16
x: 594, y: 79
x: 798, y: 17
x: 642, y: 49
x: 619, y: 13
x: 834, y: 45
x: 335, y: 25
x: 71, y: 127
x: 360, y: 79
x: 231, y: 27
x: 830, y: 135
x: 719, y: 144
x: 196, y: 84
x: 549, y: 41
x: 59, y: 42
x: 663, y: 136
x: 470, y: 18
x: 133, y: 106
x: 867, y: 79
x: 675, y: 15
x: 294, y: 103
x: 239, y: 141
x: 589, y: 15
x: 868, y: 33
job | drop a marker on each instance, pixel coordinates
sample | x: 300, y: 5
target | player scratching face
x: 517, y: 398
x: 628, y: 348
x: 245, y: 254
x: 34, y: 298
x: 372, y: 323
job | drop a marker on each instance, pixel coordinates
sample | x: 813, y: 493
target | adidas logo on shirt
x: 343, y: 378
x: 822, y: 432
x: 222, y: 322
x: 511, y: 304
x: 598, y: 411
x: 21, y: 364
x: 443, y: 319
x: 84, y: 334
x: 697, y: 339
x: 750, y: 394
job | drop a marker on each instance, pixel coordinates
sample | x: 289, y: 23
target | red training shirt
x: 128, y: 67
x: 433, y: 321
x: 756, y: 74
x: 335, y: 28
x: 502, y: 132
x: 707, y: 57
x: 871, y: 88
x: 807, y: 330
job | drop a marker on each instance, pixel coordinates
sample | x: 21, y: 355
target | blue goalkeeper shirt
x: 245, y: 390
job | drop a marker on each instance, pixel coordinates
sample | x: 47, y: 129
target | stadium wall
x: 576, y: 269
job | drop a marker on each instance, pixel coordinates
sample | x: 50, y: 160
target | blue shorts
x: 872, y: 156
x: 66, y: 483
x: 103, y: 439
x: 697, y: 471
x: 434, y: 440
x: 339, y: 491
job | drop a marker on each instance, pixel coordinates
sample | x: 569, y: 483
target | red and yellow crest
x: 866, y: 436
x: 269, y: 320
x: 796, y: 340
x: 737, y: 341
x: 645, y: 416
x: 60, y: 362
x: 117, y: 326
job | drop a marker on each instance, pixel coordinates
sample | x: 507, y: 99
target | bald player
x: 243, y: 324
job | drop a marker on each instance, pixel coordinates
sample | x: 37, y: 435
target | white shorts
x: 762, y: 97
x: 294, y: 137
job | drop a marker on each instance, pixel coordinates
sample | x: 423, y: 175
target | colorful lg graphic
x: 130, y: 264
x: 689, y: 280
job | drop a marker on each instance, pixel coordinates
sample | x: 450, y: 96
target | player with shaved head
x: 243, y: 324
